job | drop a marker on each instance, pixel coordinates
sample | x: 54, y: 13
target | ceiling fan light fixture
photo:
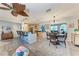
x: 14, y: 13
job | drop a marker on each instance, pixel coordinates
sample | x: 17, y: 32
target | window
x: 58, y: 27
x: 54, y: 28
x: 64, y: 27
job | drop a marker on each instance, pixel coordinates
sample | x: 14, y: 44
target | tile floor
x: 39, y: 48
x: 42, y: 48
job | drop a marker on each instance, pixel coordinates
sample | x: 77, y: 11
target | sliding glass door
x: 59, y: 27
x: 64, y: 27
x: 54, y: 28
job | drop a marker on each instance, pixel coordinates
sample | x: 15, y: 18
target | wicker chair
x: 53, y: 39
x: 64, y: 39
x: 48, y: 36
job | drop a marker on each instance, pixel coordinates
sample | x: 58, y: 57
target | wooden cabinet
x: 75, y: 38
x: 33, y: 28
x: 41, y: 35
x: 5, y: 36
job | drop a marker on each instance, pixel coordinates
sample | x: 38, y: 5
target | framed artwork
x: 71, y: 25
x: 6, y: 28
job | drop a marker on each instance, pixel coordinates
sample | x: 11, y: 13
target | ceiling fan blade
x: 22, y: 13
x: 4, y: 8
x: 18, y: 7
x: 5, y: 4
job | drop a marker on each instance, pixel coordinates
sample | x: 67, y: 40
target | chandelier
x: 52, y: 20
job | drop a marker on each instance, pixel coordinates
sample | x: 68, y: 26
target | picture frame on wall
x: 71, y: 25
x: 6, y: 28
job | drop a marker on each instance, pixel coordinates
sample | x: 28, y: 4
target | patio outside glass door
x: 59, y: 27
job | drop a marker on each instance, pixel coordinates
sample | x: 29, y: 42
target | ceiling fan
x: 16, y: 9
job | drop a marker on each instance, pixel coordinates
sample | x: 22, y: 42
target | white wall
x: 68, y: 20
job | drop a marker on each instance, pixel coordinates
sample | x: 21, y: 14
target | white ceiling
x: 38, y: 11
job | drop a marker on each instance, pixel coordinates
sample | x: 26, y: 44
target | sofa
x: 28, y: 38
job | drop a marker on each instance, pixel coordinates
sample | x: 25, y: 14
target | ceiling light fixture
x: 48, y: 10
x: 54, y: 19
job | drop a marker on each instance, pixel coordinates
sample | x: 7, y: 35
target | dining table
x: 61, y: 37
